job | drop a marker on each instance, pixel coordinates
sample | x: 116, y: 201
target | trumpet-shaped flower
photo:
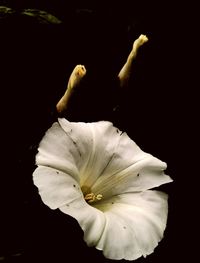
x: 98, y: 175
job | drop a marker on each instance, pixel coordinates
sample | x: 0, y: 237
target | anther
x: 90, y: 198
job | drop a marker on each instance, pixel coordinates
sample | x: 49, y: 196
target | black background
x: 36, y: 61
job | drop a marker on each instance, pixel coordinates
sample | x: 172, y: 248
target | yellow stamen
x: 99, y: 197
x: 90, y: 198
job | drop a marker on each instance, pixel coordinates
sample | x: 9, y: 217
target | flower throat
x: 89, y: 196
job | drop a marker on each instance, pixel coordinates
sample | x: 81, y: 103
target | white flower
x: 98, y: 175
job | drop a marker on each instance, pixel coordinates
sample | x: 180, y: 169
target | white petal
x: 96, y: 141
x: 130, y: 170
x: 111, y: 156
x: 59, y: 190
x: 58, y: 151
x: 135, y: 223
x: 91, y: 220
x: 56, y: 188
x: 125, y: 153
x: 81, y: 135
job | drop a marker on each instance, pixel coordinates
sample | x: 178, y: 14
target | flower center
x: 89, y: 196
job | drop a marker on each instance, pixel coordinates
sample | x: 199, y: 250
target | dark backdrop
x: 37, y: 57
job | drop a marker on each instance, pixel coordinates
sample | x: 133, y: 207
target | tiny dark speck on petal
x: 118, y: 131
x: 138, y: 175
x: 57, y: 172
x: 112, y: 203
x: 124, y: 227
x: 74, y: 185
